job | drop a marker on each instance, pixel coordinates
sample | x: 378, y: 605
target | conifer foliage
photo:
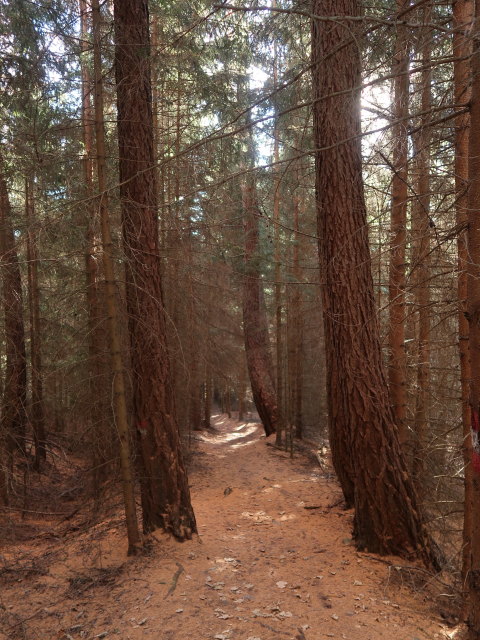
x: 266, y: 211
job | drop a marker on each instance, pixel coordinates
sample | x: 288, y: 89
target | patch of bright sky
x: 375, y: 102
x: 258, y: 77
x: 264, y: 142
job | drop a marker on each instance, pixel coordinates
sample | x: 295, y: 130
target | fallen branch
x: 175, y: 578
x: 267, y: 626
x: 37, y: 513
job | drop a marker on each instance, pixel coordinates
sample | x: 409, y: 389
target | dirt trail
x: 264, y: 566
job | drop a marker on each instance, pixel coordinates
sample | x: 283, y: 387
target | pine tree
x: 363, y: 433
x: 163, y: 478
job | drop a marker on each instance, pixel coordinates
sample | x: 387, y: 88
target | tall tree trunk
x: 164, y: 485
x: 473, y: 306
x: 255, y: 327
x: 398, y: 364
x: 278, y: 304
x: 119, y: 387
x: 37, y: 414
x: 365, y: 447
x: 421, y: 223
x: 462, y: 14
x: 296, y: 325
x: 13, y: 415
x: 278, y: 297
x: 99, y: 415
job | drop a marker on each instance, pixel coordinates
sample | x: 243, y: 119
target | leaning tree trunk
x: 255, y: 327
x: 164, y: 484
x: 365, y: 445
x: 473, y: 310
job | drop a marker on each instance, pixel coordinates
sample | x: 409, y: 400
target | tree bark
x: 119, y: 387
x: 421, y: 240
x: 296, y: 324
x: 364, y: 438
x: 100, y: 413
x: 164, y: 484
x: 278, y: 293
x: 255, y: 327
x: 462, y: 15
x: 473, y: 306
x: 398, y: 363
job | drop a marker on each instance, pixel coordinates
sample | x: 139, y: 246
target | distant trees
x: 37, y: 407
x: 255, y: 323
x: 13, y: 423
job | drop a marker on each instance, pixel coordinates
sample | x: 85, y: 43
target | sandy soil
x: 273, y: 560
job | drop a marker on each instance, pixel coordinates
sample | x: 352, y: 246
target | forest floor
x: 273, y: 560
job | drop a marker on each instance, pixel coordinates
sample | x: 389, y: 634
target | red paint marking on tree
x: 476, y: 461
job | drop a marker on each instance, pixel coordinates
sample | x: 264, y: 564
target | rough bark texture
x: 421, y: 241
x: 398, y: 364
x: 462, y: 14
x: 100, y: 413
x: 364, y: 438
x: 473, y: 306
x: 164, y: 483
x: 118, y: 373
x: 255, y: 328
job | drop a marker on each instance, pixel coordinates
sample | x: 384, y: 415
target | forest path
x: 264, y: 566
